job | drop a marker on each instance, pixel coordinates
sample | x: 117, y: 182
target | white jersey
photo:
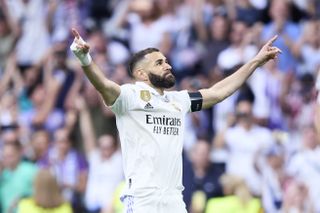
x: 151, y: 129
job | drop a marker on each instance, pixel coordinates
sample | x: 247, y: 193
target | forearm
x: 229, y: 85
x: 107, y: 88
x: 87, y: 131
x: 52, y: 91
x: 95, y: 76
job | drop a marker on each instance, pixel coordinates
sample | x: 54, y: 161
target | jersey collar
x: 146, y: 86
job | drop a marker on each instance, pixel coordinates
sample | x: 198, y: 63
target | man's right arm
x: 108, y: 89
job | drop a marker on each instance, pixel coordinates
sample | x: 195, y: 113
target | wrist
x: 255, y: 62
x: 85, y: 60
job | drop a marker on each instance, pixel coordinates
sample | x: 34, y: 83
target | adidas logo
x: 148, y: 106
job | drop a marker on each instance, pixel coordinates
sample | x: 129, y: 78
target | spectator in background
x: 296, y: 199
x: 53, y: 120
x: 8, y: 36
x: 304, y: 165
x: 204, y: 178
x: 117, y: 205
x: 105, y: 164
x: 63, y: 14
x: 240, y: 48
x: 307, y: 49
x: 298, y: 103
x: 216, y: 42
x: 242, y: 142
x: 185, y: 49
x: 238, y: 197
x: 288, y: 32
x: 243, y: 10
x: 272, y: 169
x: 40, y: 143
x: 46, y: 197
x: 144, y: 25
x: 16, y: 178
x: 30, y: 18
x: 267, y: 86
x: 57, y: 81
x: 8, y: 119
x: 69, y: 167
x: 316, y: 120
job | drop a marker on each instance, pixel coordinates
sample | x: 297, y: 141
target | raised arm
x: 108, y: 89
x: 317, y: 117
x: 86, y: 126
x: 229, y: 85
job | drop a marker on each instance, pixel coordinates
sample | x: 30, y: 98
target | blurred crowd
x: 257, y: 151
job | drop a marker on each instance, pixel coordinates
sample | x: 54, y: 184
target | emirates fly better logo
x: 163, y: 124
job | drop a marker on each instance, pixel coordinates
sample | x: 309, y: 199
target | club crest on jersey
x: 145, y: 95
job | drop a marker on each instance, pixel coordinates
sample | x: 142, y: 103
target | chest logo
x: 145, y: 95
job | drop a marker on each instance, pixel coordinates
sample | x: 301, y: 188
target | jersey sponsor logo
x: 163, y: 124
x: 145, y: 95
x: 163, y: 120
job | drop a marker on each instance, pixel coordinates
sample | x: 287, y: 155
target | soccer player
x: 150, y: 121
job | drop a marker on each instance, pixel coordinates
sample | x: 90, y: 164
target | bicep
x: 209, y: 98
x: 108, y: 89
x: 110, y: 92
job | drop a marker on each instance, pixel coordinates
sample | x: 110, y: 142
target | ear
x: 140, y: 74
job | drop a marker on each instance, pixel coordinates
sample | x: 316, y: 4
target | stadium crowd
x: 258, y: 149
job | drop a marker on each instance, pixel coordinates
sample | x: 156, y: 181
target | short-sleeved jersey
x: 151, y: 129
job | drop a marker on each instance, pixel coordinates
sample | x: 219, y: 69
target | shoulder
x: 128, y: 89
x: 26, y: 205
x: 65, y: 207
x: 233, y: 130
x: 27, y: 167
x: 182, y: 97
x: 262, y: 130
x: 177, y: 94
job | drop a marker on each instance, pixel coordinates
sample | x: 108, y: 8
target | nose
x: 168, y: 66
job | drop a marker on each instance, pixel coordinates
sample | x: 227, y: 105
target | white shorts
x: 154, y: 203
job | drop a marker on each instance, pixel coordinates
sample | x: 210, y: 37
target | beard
x: 166, y: 81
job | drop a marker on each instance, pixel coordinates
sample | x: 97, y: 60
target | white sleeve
x: 183, y: 98
x: 125, y: 100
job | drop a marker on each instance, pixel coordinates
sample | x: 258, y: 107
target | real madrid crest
x: 145, y: 95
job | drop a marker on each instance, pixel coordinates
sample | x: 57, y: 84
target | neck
x: 247, y: 126
x: 200, y: 171
x: 13, y: 167
x: 158, y: 89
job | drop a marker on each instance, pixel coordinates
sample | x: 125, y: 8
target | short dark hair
x: 138, y: 56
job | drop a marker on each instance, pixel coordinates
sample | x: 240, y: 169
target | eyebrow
x: 161, y: 60
x: 158, y: 61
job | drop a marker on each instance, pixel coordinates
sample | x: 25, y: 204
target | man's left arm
x: 226, y: 87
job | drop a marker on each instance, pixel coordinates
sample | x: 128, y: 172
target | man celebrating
x: 150, y: 121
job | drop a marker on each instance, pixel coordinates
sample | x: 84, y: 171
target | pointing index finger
x: 75, y: 33
x: 272, y: 40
